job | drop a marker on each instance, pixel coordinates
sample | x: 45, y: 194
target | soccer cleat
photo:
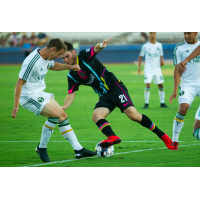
x: 168, y: 142
x: 163, y: 105
x: 84, y: 153
x: 175, y: 146
x: 146, y: 106
x: 110, y: 141
x: 43, y: 154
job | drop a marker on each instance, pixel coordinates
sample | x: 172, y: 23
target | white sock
x: 147, y: 95
x: 47, y: 131
x: 68, y: 133
x: 177, y: 126
x: 162, y: 96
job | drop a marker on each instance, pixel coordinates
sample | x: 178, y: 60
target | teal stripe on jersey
x: 101, y: 84
x: 35, y: 103
x: 175, y: 49
x: 30, y: 66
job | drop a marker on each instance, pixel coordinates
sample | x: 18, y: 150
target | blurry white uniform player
x: 153, y: 52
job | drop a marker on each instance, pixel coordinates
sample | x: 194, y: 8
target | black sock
x: 146, y: 122
x: 105, y: 128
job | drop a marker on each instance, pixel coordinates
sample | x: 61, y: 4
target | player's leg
x: 196, y: 127
x: 69, y: 134
x: 159, y: 80
x: 126, y: 106
x: 186, y: 97
x: 147, y: 95
x: 133, y: 114
x: 102, y: 109
x: 161, y: 93
x: 147, y: 80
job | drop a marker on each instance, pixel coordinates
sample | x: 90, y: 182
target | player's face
x: 53, y: 54
x: 190, y: 37
x: 69, y: 57
x: 152, y: 35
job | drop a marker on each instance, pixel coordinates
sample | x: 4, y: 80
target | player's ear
x: 74, y: 52
x: 53, y: 49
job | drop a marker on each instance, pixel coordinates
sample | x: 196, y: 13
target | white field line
x: 71, y: 160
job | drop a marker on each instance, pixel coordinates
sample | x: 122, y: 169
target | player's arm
x: 60, y: 67
x: 182, y: 66
x: 177, y: 78
x: 139, y: 65
x: 101, y: 46
x: 17, y: 94
x: 161, y: 61
x: 69, y: 100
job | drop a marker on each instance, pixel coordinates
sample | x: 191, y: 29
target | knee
x: 63, y: 116
x: 96, y: 117
x: 183, y: 109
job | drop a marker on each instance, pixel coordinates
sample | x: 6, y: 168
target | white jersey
x: 33, y: 71
x: 152, y: 53
x: 192, y: 74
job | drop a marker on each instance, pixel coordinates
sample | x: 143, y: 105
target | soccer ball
x: 104, y: 152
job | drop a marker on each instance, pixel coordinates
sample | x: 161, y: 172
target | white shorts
x: 157, y: 78
x: 197, y: 116
x: 35, y: 102
x: 187, y: 94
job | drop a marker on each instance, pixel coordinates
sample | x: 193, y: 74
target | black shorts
x: 117, y: 96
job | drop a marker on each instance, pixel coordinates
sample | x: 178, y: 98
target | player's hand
x: 181, y: 67
x: 75, y: 68
x: 105, y: 42
x: 63, y: 107
x: 173, y: 96
x: 14, y: 111
x: 139, y: 72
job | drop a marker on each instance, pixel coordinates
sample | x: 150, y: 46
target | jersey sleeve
x: 52, y: 63
x: 176, y: 56
x: 26, y: 71
x: 161, y: 50
x: 72, y: 85
x: 88, y: 54
x: 142, y: 51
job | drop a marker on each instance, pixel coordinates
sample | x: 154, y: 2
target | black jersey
x: 92, y: 74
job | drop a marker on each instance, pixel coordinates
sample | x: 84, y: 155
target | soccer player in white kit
x: 182, y: 67
x: 29, y: 92
x: 190, y: 81
x: 153, y: 52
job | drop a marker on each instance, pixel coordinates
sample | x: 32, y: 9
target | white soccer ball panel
x: 104, y: 152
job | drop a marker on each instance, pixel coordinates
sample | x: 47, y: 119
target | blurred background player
x: 29, y: 92
x: 153, y: 52
x: 182, y: 67
x: 190, y: 81
x: 112, y: 92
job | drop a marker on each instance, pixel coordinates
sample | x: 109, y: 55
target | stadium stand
x: 87, y: 38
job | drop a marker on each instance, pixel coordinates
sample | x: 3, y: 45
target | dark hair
x: 69, y: 46
x: 58, y: 43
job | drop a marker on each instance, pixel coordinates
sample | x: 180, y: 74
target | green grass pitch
x: 139, y: 147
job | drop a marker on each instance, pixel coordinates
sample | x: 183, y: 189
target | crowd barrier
x: 111, y: 54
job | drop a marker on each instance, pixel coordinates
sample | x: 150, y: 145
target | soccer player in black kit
x: 112, y: 92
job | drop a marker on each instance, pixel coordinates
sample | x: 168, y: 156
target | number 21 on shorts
x: 123, y: 98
